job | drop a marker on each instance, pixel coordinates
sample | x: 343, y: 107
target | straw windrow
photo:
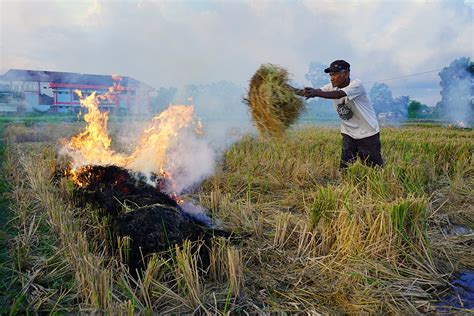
x: 272, y: 102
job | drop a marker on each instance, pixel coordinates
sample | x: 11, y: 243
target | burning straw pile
x: 272, y: 101
x: 150, y: 219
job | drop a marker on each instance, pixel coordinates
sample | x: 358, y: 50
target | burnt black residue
x: 156, y: 229
x: 113, y: 189
x: 152, y: 219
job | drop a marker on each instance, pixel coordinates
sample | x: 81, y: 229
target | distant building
x: 11, y: 101
x: 35, y: 90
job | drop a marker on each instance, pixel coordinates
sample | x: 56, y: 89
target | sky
x: 174, y: 43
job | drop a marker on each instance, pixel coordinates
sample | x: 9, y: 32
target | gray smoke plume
x: 190, y: 160
x: 457, y: 84
x: 458, y: 104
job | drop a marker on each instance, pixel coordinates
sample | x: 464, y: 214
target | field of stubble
x: 314, y: 240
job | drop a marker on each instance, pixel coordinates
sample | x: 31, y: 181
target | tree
x: 163, y: 98
x: 381, y: 97
x: 400, y: 104
x: 318, y: 107
x: 316, y: 74
x: 417, y: 110
x: 457, y: 87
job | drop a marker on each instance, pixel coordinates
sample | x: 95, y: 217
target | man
x: 359, y: 127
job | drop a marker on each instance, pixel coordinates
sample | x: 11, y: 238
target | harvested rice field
x: 284, y: 231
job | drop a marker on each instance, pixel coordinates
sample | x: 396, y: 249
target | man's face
x: 339, y: 78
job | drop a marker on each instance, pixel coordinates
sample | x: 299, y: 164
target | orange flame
x: 92, y: 146
x: 150, y: 154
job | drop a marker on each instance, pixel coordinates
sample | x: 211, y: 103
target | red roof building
x: 55, y: 91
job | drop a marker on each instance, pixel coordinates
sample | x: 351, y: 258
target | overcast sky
x: 171, y: 43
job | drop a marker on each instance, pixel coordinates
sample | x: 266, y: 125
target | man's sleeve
x: 354, y: 89
x: 326, y: 87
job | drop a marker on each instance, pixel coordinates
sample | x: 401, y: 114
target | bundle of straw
x: 273, y: 104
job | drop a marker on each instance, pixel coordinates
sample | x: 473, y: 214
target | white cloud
x: 176, y: 42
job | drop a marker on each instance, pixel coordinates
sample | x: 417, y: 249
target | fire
x: 92, y: 146
x: 150, y: 154
x: 74, y: 174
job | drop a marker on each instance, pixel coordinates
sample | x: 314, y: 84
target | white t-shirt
x: 358, y: 119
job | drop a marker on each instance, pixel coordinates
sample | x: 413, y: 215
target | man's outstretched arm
x: 311, y: 93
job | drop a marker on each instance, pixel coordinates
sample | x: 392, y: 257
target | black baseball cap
x: 338, y: 65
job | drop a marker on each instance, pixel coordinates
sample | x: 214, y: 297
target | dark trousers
x: 367, y: 149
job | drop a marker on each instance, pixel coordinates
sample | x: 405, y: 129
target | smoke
x: 458, y: 107
x: 172, y: 143
x: 190, y: 159
x: 224, y: 120
x: 197, y: 212
x: 191, y: 153
x: 218, y: 105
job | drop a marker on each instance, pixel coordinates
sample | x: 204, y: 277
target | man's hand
x: 306, y: 92
x: 309, y: 93
x: 299, y: 92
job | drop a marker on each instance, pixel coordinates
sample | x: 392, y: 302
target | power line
x: 406, y: 76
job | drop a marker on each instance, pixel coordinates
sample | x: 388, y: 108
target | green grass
x: 28, y: 245
x: 36, y: 118
x: 9, y: 287
x: 30, y: 119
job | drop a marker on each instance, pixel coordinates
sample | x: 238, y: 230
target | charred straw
x: 153, y: 221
